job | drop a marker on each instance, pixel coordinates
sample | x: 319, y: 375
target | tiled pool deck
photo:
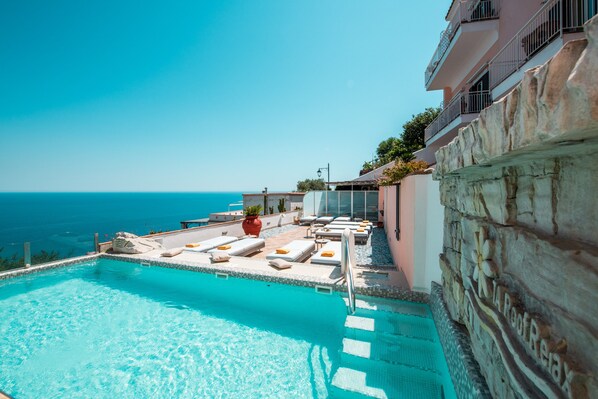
x: 369, y: 279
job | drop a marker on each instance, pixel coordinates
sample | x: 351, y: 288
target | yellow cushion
x: 360, y: 230
x: 365, y: 221
x: 283, y: 251
x: 363, y: 224
x: 328, y: 254
x: 192, y: 245
x: 223, y: 247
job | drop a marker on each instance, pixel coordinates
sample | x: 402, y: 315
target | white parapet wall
x: 415, y: 250
x: 178, y: 238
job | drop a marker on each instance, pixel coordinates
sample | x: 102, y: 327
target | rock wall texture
x: 520, y: 251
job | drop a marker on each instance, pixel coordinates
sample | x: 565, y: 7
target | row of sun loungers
x: 334, y: 230
x: 294, y: 251
x: 324, y: 219
x: 231, y: 245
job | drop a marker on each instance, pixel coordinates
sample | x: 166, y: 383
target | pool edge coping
x: 231, y: 269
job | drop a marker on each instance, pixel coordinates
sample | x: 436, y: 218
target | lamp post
x: 265, y: 192
x: 327, y: 182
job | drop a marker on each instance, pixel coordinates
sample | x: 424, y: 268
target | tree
x: 402, y: 148
x: 367, y: 167
x: 399, y: 170
x: 385, y: 150
x: 414, y: 129
x: 311, y: 185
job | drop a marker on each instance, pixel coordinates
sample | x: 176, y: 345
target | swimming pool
x: 118, y: 329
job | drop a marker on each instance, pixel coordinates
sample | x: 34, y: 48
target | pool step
x: 381, y: 383
x: 400, y: 351
x: 368, y: 328
x: 382, y: 306
x: 390, y: 350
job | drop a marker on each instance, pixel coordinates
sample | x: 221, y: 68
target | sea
x: 66, y: 222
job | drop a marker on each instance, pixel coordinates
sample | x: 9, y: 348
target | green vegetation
x: 311, y: 185
x: 399, y: 170
x: 254, y: 210
x: 281, y: 207
x: 410, y: 140
x: 14, y: 262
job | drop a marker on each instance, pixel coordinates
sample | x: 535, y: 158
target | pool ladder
x: 347, y: 240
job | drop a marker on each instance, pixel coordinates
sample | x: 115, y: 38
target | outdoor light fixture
x: 327, y: 182
x: 327, y: 168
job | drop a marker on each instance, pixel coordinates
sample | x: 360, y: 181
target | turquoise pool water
x: 112, y: 329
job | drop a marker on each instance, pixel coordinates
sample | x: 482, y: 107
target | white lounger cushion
x: 361, y: 236
x: 325, y: 260
x: 342, y: 219
x: 298, y: 250
x: 332, y: 226
x: 212, y: 243
x: 343, y: 223
x: 325, y: 219
x: 243, y: 247
x: 308, y: 219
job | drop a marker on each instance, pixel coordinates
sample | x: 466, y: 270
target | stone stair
x: 389, y: 351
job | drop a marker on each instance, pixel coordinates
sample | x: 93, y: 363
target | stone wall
x: 520, y: 250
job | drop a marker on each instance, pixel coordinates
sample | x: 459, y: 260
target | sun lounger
x: 324, y: 219
x: 307, y: 219
x: 334, y: 260
x: 342, y: 219
x: 299, y: 250
x: 335, y: 234
x: 206, y: 245
x: 246, y: 246
x: 353, y: 227
x: 340, y: 222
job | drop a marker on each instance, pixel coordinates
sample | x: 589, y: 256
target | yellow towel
x: 365, y: 221
x: 360, y: 230
x: 192, y: 245
x: 328, y: 254
x: 363, y: 224
x: 283, y: 251
x: 223, y: 247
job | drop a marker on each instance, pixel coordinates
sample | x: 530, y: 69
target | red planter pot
x: 252, y: 225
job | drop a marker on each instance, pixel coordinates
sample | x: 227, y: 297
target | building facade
x: 484, y: 51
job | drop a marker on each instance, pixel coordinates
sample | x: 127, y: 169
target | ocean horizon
x: 65, y: 222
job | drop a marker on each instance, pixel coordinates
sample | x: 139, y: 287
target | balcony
x: 531, y: 46
x: 471, y: 32
x: 462, y: 109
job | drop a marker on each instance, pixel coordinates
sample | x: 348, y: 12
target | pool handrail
x: 347, y: 268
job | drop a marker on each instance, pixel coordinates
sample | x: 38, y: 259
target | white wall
x: 434, y: 233
x: 421, y: 220
x: 179, y: 238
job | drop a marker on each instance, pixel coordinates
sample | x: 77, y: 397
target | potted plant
x: 252, y: 224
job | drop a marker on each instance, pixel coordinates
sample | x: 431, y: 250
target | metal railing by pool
x: 462, y: 103
x: 347, y: 239
x: 467, y: 11
x: 551, y: 21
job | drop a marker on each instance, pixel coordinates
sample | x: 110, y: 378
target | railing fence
x: 552, y: 20
x: 467, y: 11
x: 462, y: 103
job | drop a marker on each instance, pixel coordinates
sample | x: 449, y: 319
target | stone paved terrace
x: 367, y: 272
x: 375, y: 253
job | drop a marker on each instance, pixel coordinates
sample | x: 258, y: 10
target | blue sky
x: 205, y: 95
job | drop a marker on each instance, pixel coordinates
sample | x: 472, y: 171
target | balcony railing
x: 551, y: 21
x: 462, y: 103
x: 467, y: 11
